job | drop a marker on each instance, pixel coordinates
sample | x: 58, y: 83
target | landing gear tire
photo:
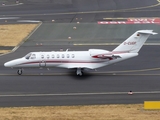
x: 19, y: 72
x: 79, y: 72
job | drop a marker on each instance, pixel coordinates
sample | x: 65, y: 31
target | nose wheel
x: 19, y: 72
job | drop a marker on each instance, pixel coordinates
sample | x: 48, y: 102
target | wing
x: 83, y: 65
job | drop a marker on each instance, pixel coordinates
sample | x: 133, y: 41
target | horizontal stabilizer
x: 147, y: 32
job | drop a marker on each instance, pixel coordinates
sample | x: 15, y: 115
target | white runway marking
x: 8, y: 18
x: 78, y: 94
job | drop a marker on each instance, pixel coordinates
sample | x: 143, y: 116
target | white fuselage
x: 67, y: 59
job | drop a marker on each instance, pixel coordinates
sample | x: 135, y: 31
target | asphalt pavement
x: 56, y: 86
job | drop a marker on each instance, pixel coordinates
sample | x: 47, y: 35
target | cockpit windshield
x: 28, y: 56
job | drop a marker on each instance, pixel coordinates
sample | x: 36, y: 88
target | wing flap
x: 110, y: 57
x: 82, y: 65
x: 79, y: 65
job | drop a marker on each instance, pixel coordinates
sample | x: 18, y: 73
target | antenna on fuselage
x: 67, y: 50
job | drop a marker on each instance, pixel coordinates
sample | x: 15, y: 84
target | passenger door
x: 42, y: 62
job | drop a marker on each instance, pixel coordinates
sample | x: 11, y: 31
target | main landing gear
x: 79, y: 72
x: 19, y: 72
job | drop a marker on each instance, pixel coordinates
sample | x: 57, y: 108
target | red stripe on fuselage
x: 61, y: 61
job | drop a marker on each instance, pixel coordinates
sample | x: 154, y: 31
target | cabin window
x: 73, y: 56
x: 28, y: 56
x: 67, y: 55
x: 42, y: 56
x: 57, y: 55
x: 62, y: 55
x: 33, y: 56
x: 48, y: 56
x: 52, y: 56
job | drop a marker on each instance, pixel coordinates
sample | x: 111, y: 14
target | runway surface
x: 111, y: 84
x: 71, y: 11
x: 56, y: 86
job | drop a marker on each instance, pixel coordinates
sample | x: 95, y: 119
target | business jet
x: 83, y: 60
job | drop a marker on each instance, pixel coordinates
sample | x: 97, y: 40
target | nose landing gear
x: 19, y: 72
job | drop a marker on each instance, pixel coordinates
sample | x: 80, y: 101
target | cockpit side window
x: 33, y: 56
x: 28, y: 56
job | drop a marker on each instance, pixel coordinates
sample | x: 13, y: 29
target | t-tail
x: 134, y: 43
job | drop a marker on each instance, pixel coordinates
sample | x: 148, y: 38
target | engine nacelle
x: 94, y: 52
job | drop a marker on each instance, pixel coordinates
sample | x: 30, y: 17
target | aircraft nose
x: 13, y: 63
x: 10, y: 63
x: 7, y: 64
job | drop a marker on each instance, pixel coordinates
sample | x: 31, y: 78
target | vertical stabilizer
x: 134, y: 43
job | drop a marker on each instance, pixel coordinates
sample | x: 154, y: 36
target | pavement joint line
x: 15, y: 48
x: 140, y: 70
x: 76, y: 94
x: 141, y: 74
x: 27, y: 37
x: 92, y: 74
x: 109, y: 44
